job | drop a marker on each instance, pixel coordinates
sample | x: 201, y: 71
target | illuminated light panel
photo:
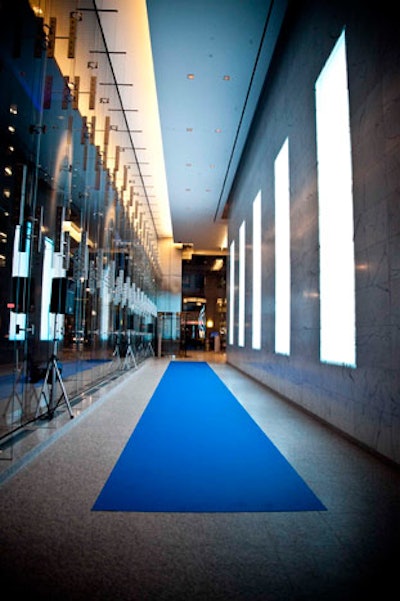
x: 231, y: 291
x: 335, y: 199
x: 224, y: 242
x: 282, y: 251
x: 257, y: 299
x: 242, y: 284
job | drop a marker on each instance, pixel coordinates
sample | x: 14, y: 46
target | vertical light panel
x: 335, y: 198
x: 231, y: 291
x: 282, y: 251
x: 257, y: 290
x: 242, y: 274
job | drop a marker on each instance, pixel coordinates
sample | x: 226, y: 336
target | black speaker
x: 62, y: 296
x: 58, y: 295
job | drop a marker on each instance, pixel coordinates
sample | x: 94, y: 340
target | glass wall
x: 79, y: 274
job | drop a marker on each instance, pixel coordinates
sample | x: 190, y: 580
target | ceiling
x: 197, y: 69
x: 179, y: 81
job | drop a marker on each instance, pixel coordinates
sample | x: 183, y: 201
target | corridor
x: 55, y: 547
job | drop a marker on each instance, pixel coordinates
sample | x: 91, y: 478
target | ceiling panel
x: 210, y: 61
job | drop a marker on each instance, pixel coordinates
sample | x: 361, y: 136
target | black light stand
x: 52, y: 376
x: 117, y: 350
x: 18, y: 371
x: 129, y: 356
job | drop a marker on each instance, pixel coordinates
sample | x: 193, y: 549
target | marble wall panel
x: 363, y: 402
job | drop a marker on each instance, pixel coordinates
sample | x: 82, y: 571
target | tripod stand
x: 15, y: 394
x: 48, y: 392
x: 130, y: 355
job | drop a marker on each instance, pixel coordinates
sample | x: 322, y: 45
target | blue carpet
x: 196, y: 449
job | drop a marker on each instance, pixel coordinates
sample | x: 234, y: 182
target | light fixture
x: 77, y: 15
x: 113, y: 83
x: 37, y: 10
x: 226, y: 77
x: 190, y: 75
x: 217, y: 265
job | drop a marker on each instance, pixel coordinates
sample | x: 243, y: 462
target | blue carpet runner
x: 196, y: 449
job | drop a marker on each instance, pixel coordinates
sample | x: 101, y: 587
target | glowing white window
x: 231, y: 290
x: 242, y: 273
x: 337, y: 270
x: 282, y: 251
x: 256, y: 312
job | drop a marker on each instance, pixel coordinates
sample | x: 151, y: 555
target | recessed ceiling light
x: 190, y: 75
x: 218, y: 130
x: 226, y: 77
